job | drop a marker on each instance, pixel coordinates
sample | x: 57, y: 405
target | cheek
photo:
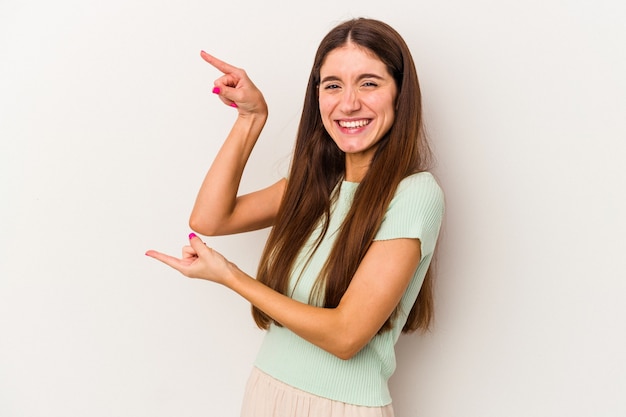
x: 325, y: 108
x: 383, y: 102
x: 327, y: 123
x: 387, y: 107
x: 324, y: 114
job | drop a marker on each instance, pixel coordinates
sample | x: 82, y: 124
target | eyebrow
x: 361, y: 77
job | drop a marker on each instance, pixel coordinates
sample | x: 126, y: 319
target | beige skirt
x: 267, y: 397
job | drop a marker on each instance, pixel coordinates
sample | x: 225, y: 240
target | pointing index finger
x: 217, y: 63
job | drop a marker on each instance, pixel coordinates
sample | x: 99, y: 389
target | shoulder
x: 422, y: 180
x: 416, y: 211
x: 420, y: 187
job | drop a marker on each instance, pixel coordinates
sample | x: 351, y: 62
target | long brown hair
x: 318, y: 166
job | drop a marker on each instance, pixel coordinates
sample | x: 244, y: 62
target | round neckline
x: 348, y: 185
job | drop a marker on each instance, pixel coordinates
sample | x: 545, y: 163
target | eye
x: 331, y: 86
x: 370, y: 84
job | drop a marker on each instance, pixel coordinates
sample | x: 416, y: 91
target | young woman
x: 354, y: 227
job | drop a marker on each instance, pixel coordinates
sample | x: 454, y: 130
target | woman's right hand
x: 198, y: 261
x: 235, y: 89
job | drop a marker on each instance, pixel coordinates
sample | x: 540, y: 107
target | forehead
x: 352, y: 58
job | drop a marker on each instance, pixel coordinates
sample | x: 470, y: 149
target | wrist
x: 234, y: 275
x: 255, y: 119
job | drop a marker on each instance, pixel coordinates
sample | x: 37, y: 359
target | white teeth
x: 353, y: 124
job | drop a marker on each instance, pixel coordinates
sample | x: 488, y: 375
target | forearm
x: 217, y: 196
x: 373, y: 293
x: 326, y: 328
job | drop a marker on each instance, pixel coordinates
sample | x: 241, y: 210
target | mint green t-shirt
x: 416, y: 211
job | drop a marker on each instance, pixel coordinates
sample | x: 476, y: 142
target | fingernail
x: 192, y: 235
x: 216, y: 90
x: 233, y: 104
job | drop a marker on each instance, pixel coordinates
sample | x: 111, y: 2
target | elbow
x: 347, y: 349
x: 202, y: 227
x: 346, y: 339
x: 345, y: 355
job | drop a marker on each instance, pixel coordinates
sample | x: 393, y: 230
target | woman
x: 354, y: 227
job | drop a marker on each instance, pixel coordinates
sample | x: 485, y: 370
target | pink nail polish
x: 192, y: 235
x: 216, y: 90
x: 233, y: 104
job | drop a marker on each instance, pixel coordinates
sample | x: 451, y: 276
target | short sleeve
x: 416, y: 211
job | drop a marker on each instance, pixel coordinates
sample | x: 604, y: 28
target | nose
x: 350, y: 101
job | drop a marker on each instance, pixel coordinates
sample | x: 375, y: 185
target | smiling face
x: 357, y: 104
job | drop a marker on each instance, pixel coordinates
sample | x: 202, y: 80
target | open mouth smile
x: 353, y: 124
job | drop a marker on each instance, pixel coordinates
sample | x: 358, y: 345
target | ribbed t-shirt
x: 415, y: 211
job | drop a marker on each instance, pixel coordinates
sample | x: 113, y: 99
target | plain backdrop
x: 108, y: 124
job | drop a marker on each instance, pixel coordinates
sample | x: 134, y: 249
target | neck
x: 356, y: 168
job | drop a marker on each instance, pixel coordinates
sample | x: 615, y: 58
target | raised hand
x: 235, y: 89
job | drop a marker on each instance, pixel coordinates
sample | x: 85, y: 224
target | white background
x: 108, y: 124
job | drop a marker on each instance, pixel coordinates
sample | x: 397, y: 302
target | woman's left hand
x: 198, y: 261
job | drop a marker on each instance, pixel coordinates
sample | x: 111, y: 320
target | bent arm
x: 373, y: 294
x: 218, y: 210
